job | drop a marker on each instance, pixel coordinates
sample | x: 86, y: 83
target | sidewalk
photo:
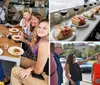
x: 84, y: 82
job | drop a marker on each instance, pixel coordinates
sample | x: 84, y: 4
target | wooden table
x: 6, y: 56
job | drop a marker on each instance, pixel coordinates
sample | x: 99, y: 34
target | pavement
x: 84, y: 82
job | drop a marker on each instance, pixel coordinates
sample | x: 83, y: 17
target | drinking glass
x: 76, y: 10
x: 91, y: 5
x: 63, y: 13
x: 56, y: 18
x: 85, y: 7
x: 95, y: 4
x: 5, y: 46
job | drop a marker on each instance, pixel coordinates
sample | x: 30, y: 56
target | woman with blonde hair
x: 25, y: 21
x: 28, y: 41
x: 35, y: 73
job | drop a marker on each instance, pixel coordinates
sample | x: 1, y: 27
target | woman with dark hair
x: 72, y: 69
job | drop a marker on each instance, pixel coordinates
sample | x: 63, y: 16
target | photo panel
x: 24, y: 42
x: 74, y: 63
x: 74, y: 20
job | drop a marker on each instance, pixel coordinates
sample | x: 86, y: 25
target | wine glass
x: 97, y: 0
x: 86, y: 1
x: 63, y: 13
x: 76, y: 10
x: 95, y: 4
x: 5, y: 46
x: 85, y: 6
x: 91, y: 5
x: 56, y: 18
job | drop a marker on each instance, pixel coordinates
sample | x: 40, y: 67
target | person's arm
x: 15, y: 26
x: 19, y: 25
x: 92, y: 73
x: 67, y: 74
x: 65, y: 64
x: 26, y: 41
x: 43, y: 53
x: 86, y: 60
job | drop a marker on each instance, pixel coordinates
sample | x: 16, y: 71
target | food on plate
x: 16, y: 51
x: 98, y: 7
x: 62, y: 32
x: 17, y: 37
x: 95, y: 10
x: 88, y: 15
x: 13, y: 29
x: 78, y: 20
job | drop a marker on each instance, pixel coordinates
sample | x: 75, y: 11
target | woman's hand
x: 22, y: 39
x: 73, y: 83
x: 12, y: 26
x: 24, y: 73
x: 21, y: 33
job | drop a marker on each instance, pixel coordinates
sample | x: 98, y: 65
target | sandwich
x: 78, y: 20
x: 95, y: 10
x: 62, y: 32
x: 89, y: 15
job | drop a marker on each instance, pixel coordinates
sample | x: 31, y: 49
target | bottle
x: 9, y: 36
x: 32, y: 3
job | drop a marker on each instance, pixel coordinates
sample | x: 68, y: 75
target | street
x: 86, y: 78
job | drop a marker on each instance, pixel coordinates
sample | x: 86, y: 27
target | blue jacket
x: 59, y: 68
x: 1, y: 73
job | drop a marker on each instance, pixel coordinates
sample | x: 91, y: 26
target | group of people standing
x: 72, y: 68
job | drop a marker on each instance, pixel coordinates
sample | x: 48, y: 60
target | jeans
x: 77, y: 83
x: 1, y: 73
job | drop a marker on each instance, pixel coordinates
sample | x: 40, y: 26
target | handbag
x: 97, y: 81
x: 46, y: 78
x: 38, y: 76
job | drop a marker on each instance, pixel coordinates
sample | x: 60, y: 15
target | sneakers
x: 1, y: 83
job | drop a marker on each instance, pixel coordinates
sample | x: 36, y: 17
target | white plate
x: 14, y: 37
x: 11, y: 51
x: 97, y: 13
x: 52, y: 38
x: 1, y: 51
x: 91, y: 18
x: 14, y: 30
x: 82, y: 26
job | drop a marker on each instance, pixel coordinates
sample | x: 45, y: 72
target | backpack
x: 59, y: 68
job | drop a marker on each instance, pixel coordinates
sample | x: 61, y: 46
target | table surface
x: 83, y: 33
x: 10, y: 42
